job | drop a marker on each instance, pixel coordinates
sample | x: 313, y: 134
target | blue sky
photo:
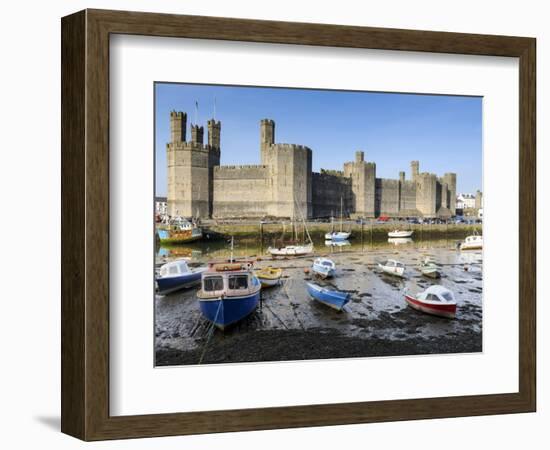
x: 444, y: 133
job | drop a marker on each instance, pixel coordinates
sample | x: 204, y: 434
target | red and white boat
x: 435, y: 300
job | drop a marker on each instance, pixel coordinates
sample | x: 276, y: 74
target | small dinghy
x: 400, y: 234
x: 323, y: 267
x: 392, y: 267
x: 269, y: 276
x: 291, y: 250
x: 435, y: 300
x: 334, y: 299
x: 230, y: 292
x: 472, y: 243
x: 429, y: 268
x: 337, y: 236
x: 177, y: 275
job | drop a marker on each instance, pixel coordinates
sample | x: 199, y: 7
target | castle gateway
x: 284, y: 185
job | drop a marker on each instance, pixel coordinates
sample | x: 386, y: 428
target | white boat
x: 291, y: 250
x: 400, y: 233
x: 338, y: 235
x: 324, y: 267
x: 435, y: 300
x: 429, y: 268
x: 392, y: 267
x: 474, y: 242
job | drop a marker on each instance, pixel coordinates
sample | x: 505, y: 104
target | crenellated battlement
x: 239, y: 167
x: 284, y: 184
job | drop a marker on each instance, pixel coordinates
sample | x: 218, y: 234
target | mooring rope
x: 210, y: 332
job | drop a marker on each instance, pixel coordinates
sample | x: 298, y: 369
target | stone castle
x: 284, y: 185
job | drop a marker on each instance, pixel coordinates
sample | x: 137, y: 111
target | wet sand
x: 289, y: 325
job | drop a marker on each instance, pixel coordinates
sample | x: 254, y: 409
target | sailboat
x: 293, y: 250
x: 338, y: 235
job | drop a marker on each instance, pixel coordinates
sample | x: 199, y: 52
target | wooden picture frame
x: 85, y: 224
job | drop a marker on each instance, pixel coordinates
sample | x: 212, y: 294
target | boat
x: 294, y: 250
x: 400, y: 233
x: 269, y: 276
x: 334, y: 299
x: 474, y: 242
x: 436, y: 300
x: 229, y: 292
x: 180, y: 231
x: 324, y: 267
x: 291, y: 250
x: 429, y: 268
x: 177, y: 275
x: 392, y: 267
x: 338, y: 235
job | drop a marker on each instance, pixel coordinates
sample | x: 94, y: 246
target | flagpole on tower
x: 214, y: 108
x: 196, y: 112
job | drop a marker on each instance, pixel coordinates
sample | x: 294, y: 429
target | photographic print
x: 302, y: 224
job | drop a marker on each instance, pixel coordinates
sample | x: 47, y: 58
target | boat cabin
x: 473, y: 239
x: 215, y: 284
x: 174, y: 268
x: 393, y: 263
x: 437, y: 294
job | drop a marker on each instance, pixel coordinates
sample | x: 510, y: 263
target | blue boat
x: 177, y: 275
x: 334, y: 299
x: 230, y: 292
x: 324, y: 267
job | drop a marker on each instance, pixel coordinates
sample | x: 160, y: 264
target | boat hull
x: 269, y: 282
x: 335, y: 300
x: 320, y: 272
x: 290, y: 251
x: 166, y: 285
x: 339, y: 236
x: 223, y: 312
x: 443, y: 310
x: 400, y: 234
x: 471, y: 247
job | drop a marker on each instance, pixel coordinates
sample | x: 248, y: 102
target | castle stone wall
x: 241, y: 191
x: 285, y: 186
x: 387, y: 197
x: 328, y: 190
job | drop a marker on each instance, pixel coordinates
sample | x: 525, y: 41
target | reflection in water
x: 202, y: 251
x: 400, y: 241
x: 343, y: 243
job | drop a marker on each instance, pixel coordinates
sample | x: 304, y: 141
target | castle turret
x: 450, y: 180
x: 190, y: 167
x: 267, y: 138
x: 197, y: 134
x: 414, y: 170
x: 363, y: 184
x: 214, y: 132
x: 178, y: 126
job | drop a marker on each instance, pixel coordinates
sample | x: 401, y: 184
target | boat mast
x: 341, y: 212
x: 232, y: 246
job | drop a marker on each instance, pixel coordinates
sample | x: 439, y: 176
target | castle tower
x: 363, y: 184
x: 190, y: 169
x: 414, y: 170
x: 197, y: 134
x: 426, y: 194
x: 214, y: 133
x: 178, y: 126
x: 267, y: 138
x: 450, y: 180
